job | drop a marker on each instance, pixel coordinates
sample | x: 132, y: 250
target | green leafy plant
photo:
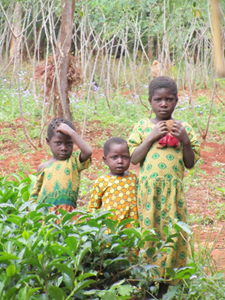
x: 46, y: 256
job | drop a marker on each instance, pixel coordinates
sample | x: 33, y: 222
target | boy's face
x: 61, y: 146
x: 163, y: 103
x: 118, y: 159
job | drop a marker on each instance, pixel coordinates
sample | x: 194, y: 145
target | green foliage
x: 45, y: 259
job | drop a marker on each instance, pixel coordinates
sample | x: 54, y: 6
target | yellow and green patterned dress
x: 58, y: 183
x: 160, y: 192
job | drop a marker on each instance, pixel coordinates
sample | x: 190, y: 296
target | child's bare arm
x: 141, y: 151
x: 179, y: 132
x: 86, y: 151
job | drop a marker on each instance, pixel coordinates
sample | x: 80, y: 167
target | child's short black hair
x: 113, y: 140
x: 160, y: 83
x: 54, y: 124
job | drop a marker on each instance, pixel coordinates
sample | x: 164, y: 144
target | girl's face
x: 163, y: 103
x: 118, y: 159
x: 61, y: 146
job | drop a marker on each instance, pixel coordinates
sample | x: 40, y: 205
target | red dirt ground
x: 205, y: 202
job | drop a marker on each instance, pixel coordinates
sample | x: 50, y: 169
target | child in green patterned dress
x: 160, y: 193
x: 58, y: 179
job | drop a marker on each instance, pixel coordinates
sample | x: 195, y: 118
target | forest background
x: 91, y: 61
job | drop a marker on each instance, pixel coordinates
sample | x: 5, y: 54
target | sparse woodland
x: 91, y: 61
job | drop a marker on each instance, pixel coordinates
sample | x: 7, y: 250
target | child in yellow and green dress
x: 117, y: 189
x: 58, y: 179
x: 160, y: 192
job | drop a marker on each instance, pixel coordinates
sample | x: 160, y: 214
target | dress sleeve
x: 81, y: 166
x: 96, y: 197
x: 37, y: 187
x: 136, y: 138
x: 133, y: 205
x: 194, y: 142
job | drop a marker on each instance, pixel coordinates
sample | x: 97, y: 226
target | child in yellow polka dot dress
x: 116, y: 190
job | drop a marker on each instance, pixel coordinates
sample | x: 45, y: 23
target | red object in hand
x: 169, y: 140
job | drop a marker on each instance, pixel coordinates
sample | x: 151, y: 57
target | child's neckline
x: 119, y: 175
x: 160, y: 121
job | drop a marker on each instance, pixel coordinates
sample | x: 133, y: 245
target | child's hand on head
x: 64, y: 128
x: 158, y: 131
x: 179, y: 132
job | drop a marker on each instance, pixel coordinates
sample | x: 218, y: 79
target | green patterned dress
x: 160, y: 193
x: 58, y: 183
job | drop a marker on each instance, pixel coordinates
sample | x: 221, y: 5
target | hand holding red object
x: 169, y: 140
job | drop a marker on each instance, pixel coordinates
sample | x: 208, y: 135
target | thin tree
x: 61, y: 101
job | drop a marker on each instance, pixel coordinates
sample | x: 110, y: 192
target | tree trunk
x: 17, y: 31
x: 61, y: 101
x: 150, y: 39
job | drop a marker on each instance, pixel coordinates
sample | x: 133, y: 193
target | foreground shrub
x: 40, y: 259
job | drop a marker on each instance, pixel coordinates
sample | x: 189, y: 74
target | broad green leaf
x: 28, y: 278
x: 11, y: 293
x: 93, y: 223
x: 23, y: 188
x: 71, y: 243
x: 25, y: 235
x: 32, y: 291
x: 26, y: 196
x: 51, y: 216
x: 111, y: 261
x: 124, y: 222
x: 31, y: 261
x: 166, y: 230
x: 43, y: 205
x: 110, y: 225
x: 90, y: 292
x: 56, y: 293
x: 9, y: 195
x: 22, y: 175
x: 65, y: 269
x: 40, y: 256
x: 33, y: 178
x: 125, y: 290
x: 85, y: 275
x: 24, y: 207
x: 16, y: 177
x: 184, y: 226
x: 49, y: 233
x: 185, y: 272
x: 7, y: 256
x: 82, y: 285
x: 117, y: 284
x: 68, y: 281
x: 131, y: 231
x: 23, y: 293
x: 4, y: 205
x: 80, y: 256
x: 69, y: 252
x: 15, y: 219
x: 170, y: 272
x: 11, y: 270
x: 68, y: 216
x: 150, y: 251
x: 108, y: 296
x: 103, y: 215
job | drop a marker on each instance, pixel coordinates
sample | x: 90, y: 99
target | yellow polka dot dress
x: 116, y: 192
x: 160, y: 192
